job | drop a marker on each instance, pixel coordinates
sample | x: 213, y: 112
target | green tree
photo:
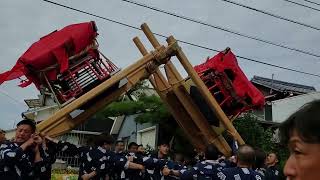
x: 149, y: 109
x: 255, y: 135
x: 252, y: 132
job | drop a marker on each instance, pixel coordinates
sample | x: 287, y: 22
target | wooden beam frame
x: 171, y: 89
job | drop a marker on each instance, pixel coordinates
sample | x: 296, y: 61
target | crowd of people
x: 30, y: 156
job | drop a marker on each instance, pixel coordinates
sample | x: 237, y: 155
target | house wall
x: 147, y: 137
x: 264, y: 90
x: 265, y: 113
x: 282, y: 109
x: 42, y: 115
x: 129, y: 129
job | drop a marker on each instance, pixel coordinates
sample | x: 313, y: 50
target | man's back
x: 238, y: 173
x: 207, y: 169
x: 16, y: 163
x: 134, y: 174
x: 94, y: 160
x: 273, y: 173
x: 154, y: 166
x: 173, y: 166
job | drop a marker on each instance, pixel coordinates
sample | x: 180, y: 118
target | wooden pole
x: 145, y: 28
x: 51, y: 89
x: 201, y: 122
x: 140, y: 46
x: 68, y: 123
x: 174, y: 77
x: 205, y: 92
x: 177, y: 77
x: 171, y: 101
x: 157, y: 73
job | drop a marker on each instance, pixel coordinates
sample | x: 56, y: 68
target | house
x: 275, y: 89
x: 282, y: 98
x: 125, y: 128
x: 283, y: 108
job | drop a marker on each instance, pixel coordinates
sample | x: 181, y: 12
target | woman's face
x: 304, y: 160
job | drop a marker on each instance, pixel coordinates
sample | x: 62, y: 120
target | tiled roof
x: 281, y: 85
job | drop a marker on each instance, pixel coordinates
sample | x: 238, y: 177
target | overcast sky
x: 24, y: 22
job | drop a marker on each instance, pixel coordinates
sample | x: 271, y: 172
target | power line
x: 12, y: 98
x: 299, y: 4
x: 222, y: 28
x: 84, y: 12
x: 185, y: 42
x: 273, y: 15
x: 312, y: 2
x: 252, y: 60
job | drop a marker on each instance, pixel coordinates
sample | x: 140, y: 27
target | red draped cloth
x: 241, y: 84
x: 54, y: 48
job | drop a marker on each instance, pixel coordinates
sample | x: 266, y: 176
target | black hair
x: 260, y: 157
x: 278, y: 157
x: 212, y: 152
x: 178, y: 157
x: 246, y: 155
x: 103, y: 139
x: 163, y: 142
x: 305, y: 122
x: 132, y: 144
x: 140, y: 145
x: 119, y: 141
x: 29, y: 122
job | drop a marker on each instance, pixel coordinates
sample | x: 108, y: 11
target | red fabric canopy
x: 54, y: 48
x: 241, y: 84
